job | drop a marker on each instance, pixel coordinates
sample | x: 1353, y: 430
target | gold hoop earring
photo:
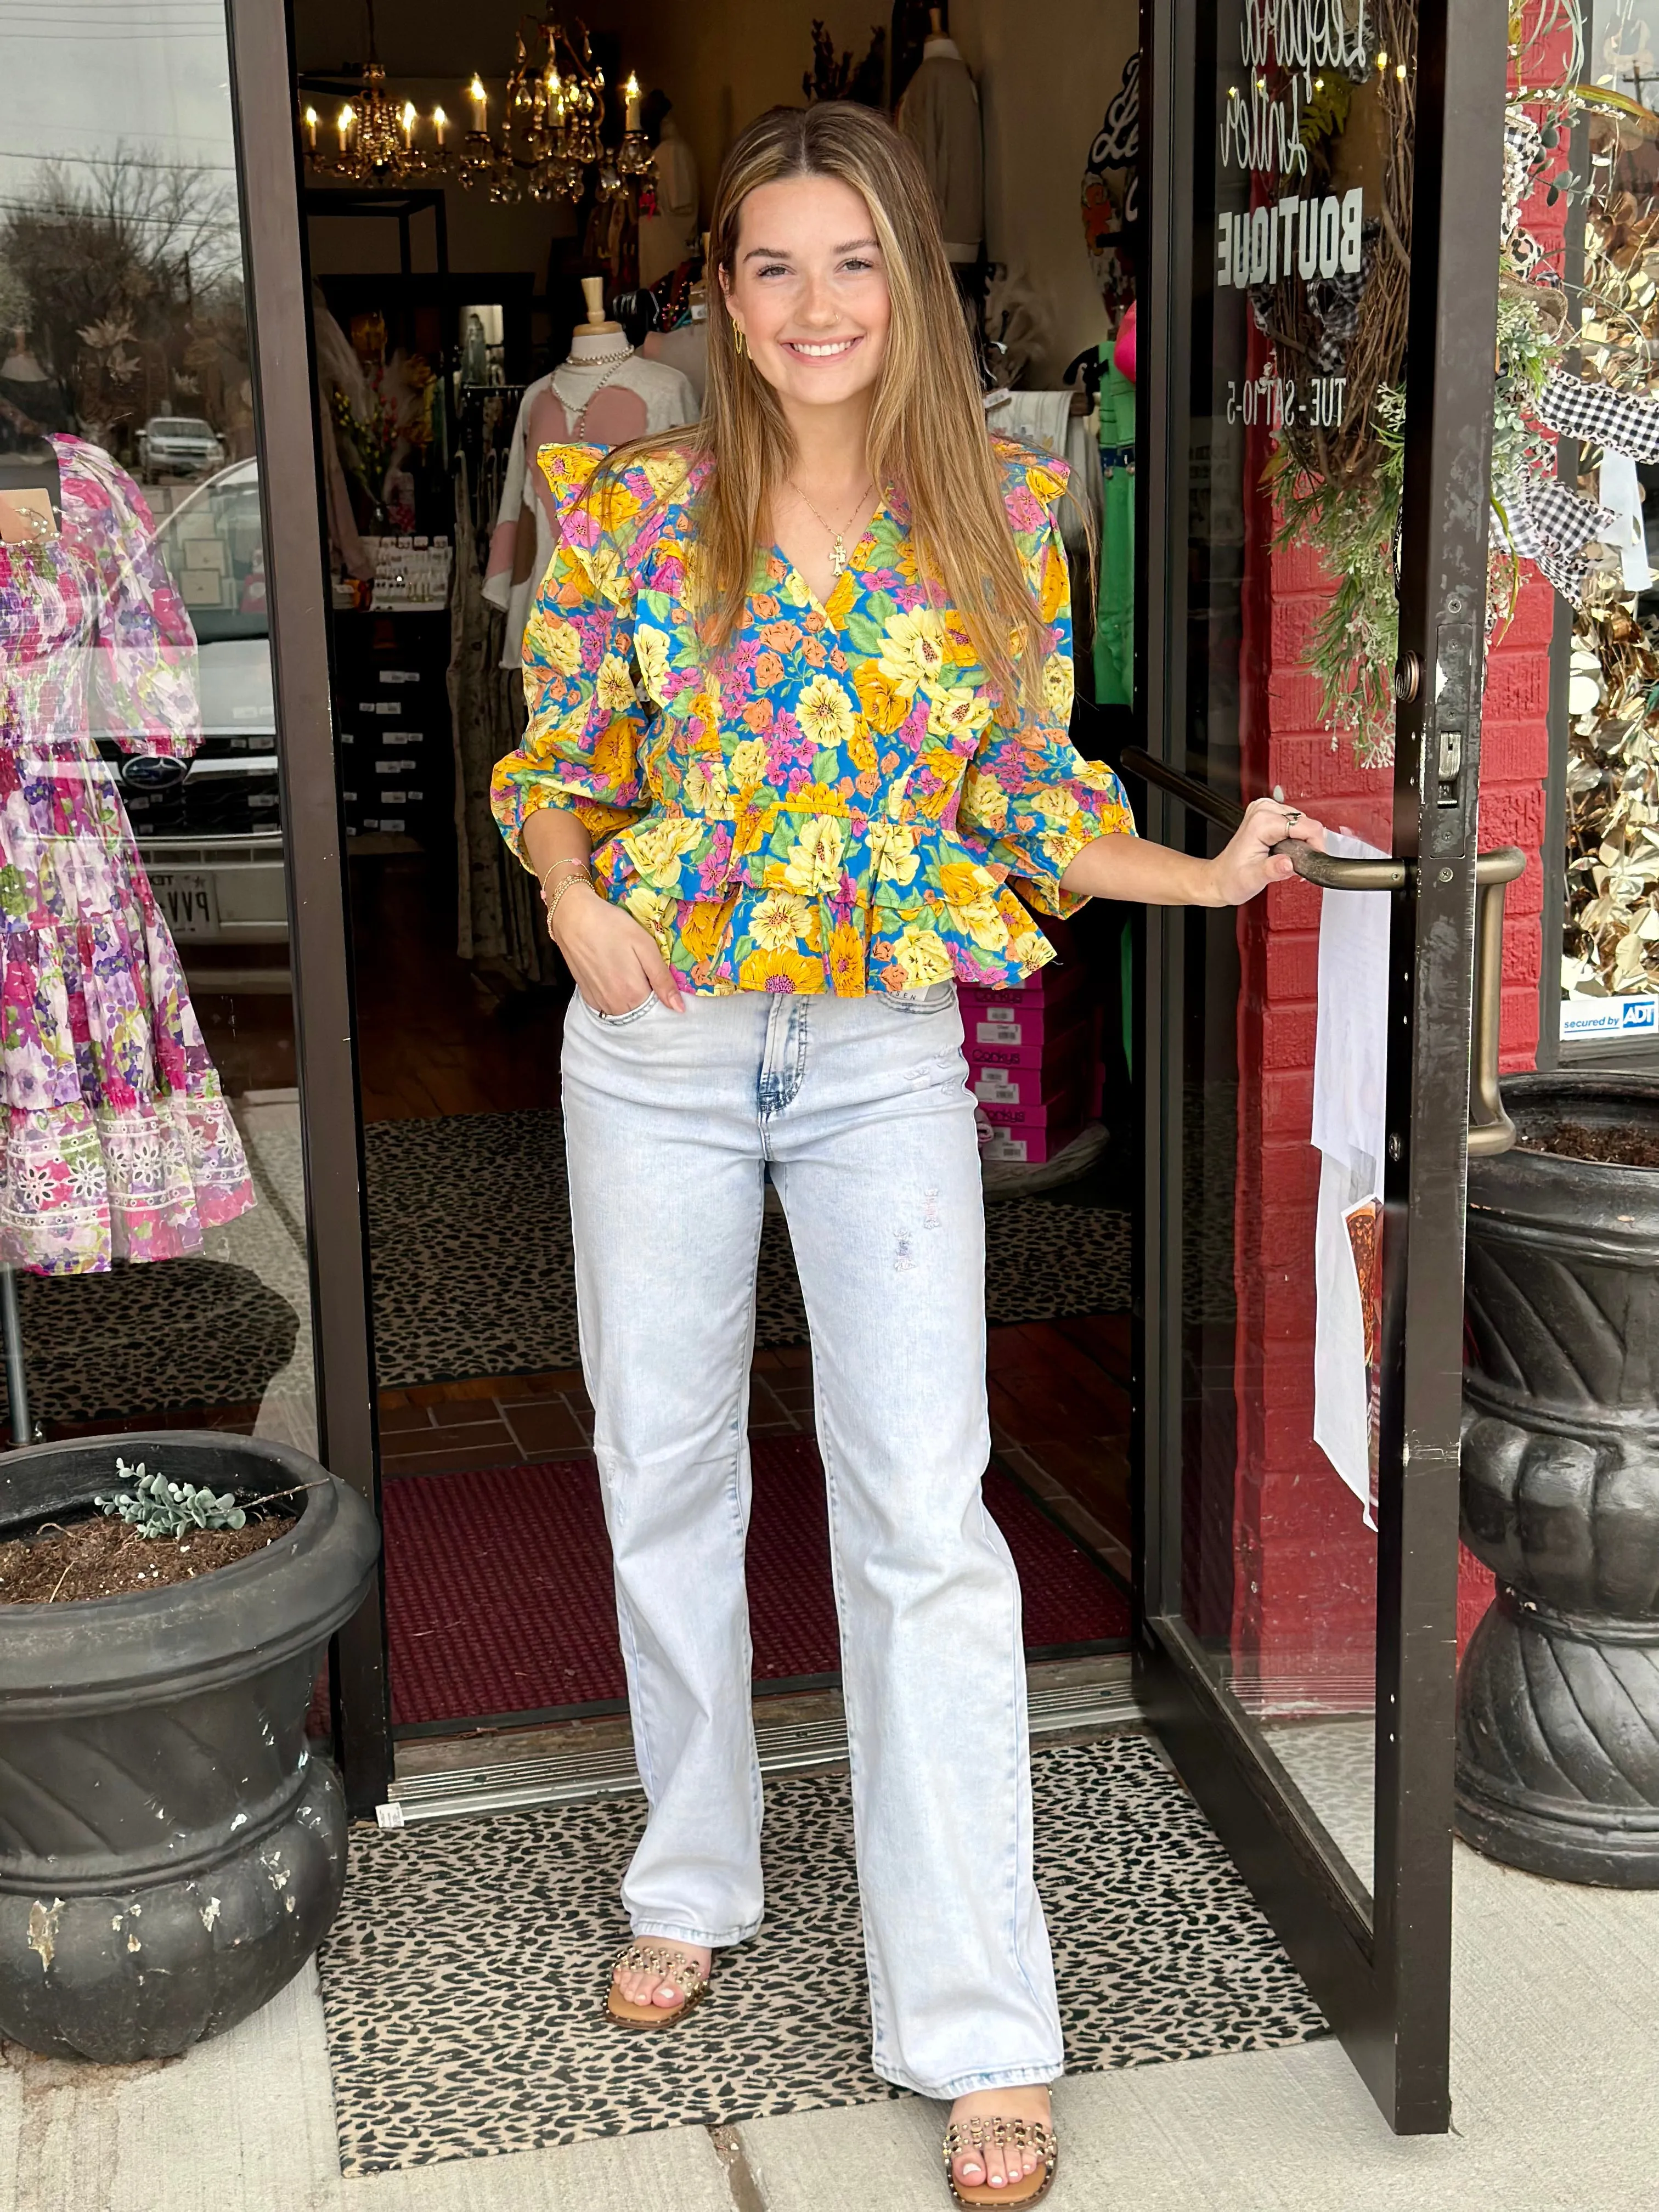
x: 740, y: 341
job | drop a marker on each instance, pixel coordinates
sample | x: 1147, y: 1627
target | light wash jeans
x: 860, y: 1109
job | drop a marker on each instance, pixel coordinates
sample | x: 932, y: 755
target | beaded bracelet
x: 559, y: 890
x: 582, y: 867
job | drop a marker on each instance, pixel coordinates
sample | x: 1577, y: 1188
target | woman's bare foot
x: 997, y: 2166
x: 644, y: 1989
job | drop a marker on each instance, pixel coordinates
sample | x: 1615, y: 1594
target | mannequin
x: 602, y: 393
x: 939, y: 115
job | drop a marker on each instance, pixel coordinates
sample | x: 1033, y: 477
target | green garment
x: 1114, y: 621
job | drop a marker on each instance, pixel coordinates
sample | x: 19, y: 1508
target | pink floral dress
x: 117, y: 1141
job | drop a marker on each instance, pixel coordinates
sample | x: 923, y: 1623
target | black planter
x: 169, y: 1854
x: 1558, y: 1728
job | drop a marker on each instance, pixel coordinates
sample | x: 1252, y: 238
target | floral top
x: 832, y: 803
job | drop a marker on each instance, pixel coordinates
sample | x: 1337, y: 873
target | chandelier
x: 375, y: 133
x: 552, y: 111
x: 547, y: 142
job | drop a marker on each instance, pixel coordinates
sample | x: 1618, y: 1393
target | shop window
x: 151, y: 1200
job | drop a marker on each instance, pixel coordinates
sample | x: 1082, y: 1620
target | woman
x: 800, y: 681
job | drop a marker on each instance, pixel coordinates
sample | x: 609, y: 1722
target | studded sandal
x: 668, y: 1966
x: 963, y: 2135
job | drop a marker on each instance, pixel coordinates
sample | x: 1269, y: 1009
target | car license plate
x: 190, y: 904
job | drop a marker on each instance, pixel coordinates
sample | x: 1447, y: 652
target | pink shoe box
x: 1023, y: 1017
x: 1026, y: 1146
x: 1060, y: 1049
x: 1050, y: 987
x: 1025, y: 1026
x: 1031, y: 1080
x: 1061, y: 1108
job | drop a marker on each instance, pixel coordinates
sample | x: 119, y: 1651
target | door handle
x: 1491, y: 1129
x: 1323, y: 868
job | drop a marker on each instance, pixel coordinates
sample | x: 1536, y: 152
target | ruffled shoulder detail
x: 619, y: 509
x: 615, y: 496
x: 570, y: 471
x: 1030, y: 479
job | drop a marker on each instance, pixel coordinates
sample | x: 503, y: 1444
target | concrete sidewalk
x: 1556, y: 2081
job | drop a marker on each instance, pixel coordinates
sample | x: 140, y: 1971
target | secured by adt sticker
x: 1609, y: 1017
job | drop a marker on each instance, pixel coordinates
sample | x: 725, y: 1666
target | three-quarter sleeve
x: 1030, y: 801
x: 582, y: 746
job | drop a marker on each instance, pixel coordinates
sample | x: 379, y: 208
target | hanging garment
x: 685, y: 348
x: 669, y: 235
x: 602, y: 406
x: 338, y: 370
x: 499, y: 915
x: 939, y: 115
x: 1044, y: 419
x: 1114, y: 619
x: 1350, y: 1067
x: 119, y: 1142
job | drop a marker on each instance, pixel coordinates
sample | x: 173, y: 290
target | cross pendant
x: 838, y: 559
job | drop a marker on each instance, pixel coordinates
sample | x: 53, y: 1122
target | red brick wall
x: 1304, y: 1563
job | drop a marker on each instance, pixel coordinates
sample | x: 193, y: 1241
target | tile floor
x: 1059, y: 1416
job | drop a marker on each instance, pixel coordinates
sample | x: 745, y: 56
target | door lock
x: 1449, y: 765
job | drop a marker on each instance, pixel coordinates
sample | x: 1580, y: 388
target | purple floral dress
x: 117, y: 1141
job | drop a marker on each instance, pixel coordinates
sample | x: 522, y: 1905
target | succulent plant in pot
x: 1557, y: 1731
x: 170, y: 1852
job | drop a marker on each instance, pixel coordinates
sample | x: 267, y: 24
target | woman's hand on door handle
x: 1247, y: 863
x: 1139, y: 871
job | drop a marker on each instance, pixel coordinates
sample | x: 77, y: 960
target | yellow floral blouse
x: 831, y: 803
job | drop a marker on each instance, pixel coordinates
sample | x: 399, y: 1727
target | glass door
x: 1318, y: 360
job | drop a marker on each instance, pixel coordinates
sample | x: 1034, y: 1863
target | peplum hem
x: 754, y: 940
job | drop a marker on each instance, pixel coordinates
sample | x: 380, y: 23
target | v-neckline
x: 854, y: 562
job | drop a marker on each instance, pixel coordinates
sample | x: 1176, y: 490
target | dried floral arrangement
x: 1611, y: 935
x: 1341, y: 494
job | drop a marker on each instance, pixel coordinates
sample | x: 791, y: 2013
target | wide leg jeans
x: 859, y: 1111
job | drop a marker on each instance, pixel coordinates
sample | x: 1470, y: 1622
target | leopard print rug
x: 467, y: 1285
x: 463, y: 1981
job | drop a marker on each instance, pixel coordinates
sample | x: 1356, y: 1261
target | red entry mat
x: 499, y: 1598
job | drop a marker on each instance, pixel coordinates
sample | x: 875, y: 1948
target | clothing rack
x: 487, y: 417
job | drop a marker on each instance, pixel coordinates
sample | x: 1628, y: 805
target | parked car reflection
x: 178, y: 445
x: 209, y: 828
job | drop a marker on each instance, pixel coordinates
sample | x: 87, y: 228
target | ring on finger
x: 1292, y: 814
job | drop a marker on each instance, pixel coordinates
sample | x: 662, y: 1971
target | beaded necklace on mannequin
x: 597, y: 344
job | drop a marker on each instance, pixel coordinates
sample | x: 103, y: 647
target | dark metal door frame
x: 1379, y: 1967
x: 262, y: 76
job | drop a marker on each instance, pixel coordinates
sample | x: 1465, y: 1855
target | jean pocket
x: 621, y: 1021
x: 930, y: 999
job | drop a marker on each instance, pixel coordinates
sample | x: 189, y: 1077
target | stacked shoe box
x: 1031, y: 1061
x: 393, y: 704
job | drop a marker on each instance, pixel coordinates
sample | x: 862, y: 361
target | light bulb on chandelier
x: 549, y: 139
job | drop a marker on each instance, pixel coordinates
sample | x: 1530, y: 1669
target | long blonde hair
x: 927, y: 433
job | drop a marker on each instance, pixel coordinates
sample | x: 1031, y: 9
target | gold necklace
x: 838, y: 560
